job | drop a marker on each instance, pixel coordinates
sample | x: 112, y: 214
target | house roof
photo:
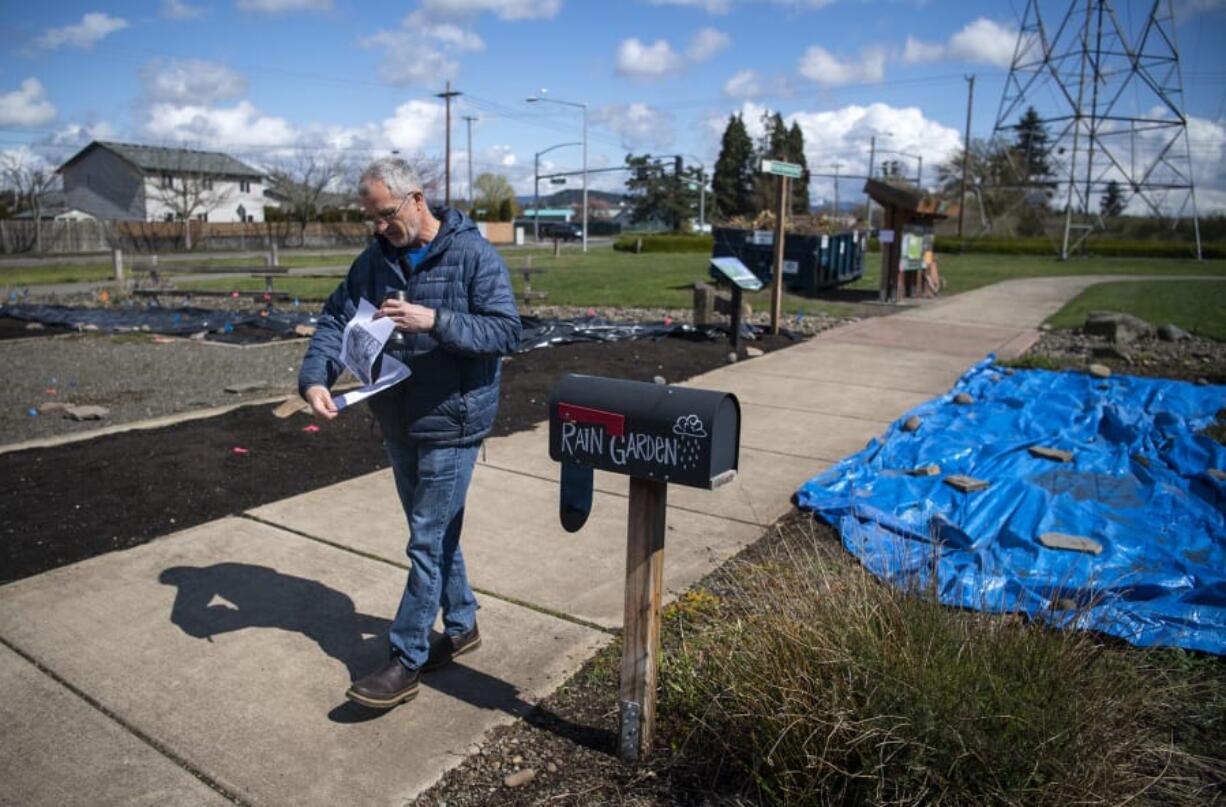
x: 159, y: 159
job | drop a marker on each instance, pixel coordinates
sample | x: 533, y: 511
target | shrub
x: 665, y: 242
x: 819, y: 684
x: 1102, y: 246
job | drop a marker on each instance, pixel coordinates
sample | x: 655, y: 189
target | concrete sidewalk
x: 212, y: 663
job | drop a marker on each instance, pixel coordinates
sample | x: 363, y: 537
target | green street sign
x: 782, y: 169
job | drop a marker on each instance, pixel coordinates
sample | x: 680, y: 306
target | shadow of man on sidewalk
x: 228, y: 597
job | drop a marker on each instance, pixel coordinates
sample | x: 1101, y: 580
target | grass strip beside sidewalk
x: 1194, y: 305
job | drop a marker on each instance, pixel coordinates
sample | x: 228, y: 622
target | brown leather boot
x: 388, y: 686
x: 445, y: 648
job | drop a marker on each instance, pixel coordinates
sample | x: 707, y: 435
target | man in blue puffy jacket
x: 456, y: 316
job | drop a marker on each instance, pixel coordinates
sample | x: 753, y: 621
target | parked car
x: 561, y: 230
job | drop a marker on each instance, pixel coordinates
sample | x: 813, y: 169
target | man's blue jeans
x: 432, y: 482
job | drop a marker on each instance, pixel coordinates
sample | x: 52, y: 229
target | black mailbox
x: 652, y: 431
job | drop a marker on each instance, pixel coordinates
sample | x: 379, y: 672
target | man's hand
x: 321, y: 402
x: 408, y: 316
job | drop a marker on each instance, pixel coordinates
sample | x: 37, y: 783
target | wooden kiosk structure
x: 905, y: 236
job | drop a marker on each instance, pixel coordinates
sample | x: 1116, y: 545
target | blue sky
x: 260, y: 77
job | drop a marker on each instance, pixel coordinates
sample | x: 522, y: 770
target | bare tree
x: 305, y: 179
x: 188, y: 191
x: 30, y: 184
x: 430, y: 170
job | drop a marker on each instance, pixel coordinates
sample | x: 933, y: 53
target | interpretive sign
x: 737, y: 273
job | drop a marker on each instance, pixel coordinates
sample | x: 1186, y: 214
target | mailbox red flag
x: 612, y: 422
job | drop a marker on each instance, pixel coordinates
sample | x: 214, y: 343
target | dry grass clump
x: 798, y: 224
x: 810, y: 682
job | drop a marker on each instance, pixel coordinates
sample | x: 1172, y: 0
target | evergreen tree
x: 733, y: 181
x: 773, y: 146
x: 1112, y: 202
x: 659, y: 194
x: 1031, y: 147
x: 796, y: 154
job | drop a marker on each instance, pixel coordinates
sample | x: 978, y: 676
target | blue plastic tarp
x: 1138, y: 485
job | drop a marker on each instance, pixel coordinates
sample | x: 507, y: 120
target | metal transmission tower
x: 1110, y: 100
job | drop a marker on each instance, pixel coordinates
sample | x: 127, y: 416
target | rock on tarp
x: 1138, y: 485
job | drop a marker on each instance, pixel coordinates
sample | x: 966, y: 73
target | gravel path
x: 135, y: 376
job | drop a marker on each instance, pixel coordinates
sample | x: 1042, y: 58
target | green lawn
x: 1198, y: 306
x: 600, y: 278
x: 605, y: 277
x: 972, y: 271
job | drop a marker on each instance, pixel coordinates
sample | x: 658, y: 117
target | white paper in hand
x: 361, y: 344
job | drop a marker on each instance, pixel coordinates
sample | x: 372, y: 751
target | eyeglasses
x: 386, y: 218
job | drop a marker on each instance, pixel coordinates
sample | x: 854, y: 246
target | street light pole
x: 868, y: 200
x: 536, y: 189
x: 534, y: 99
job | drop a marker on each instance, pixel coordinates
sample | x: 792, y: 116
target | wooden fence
x: 65, y: 237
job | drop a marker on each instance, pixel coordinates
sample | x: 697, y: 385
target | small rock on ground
x: 520, y: 778
x: 86, y: 412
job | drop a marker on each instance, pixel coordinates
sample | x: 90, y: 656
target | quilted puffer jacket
x: 451, y: 397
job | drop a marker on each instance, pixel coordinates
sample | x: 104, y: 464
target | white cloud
x: 25, y: 157
x: 219, y: 127
x: 503, y: 9
x: 706, y: 43
x: 823, y: 67
x: 421, y: 51
x: 749, y: 84
x: 984, y: 41
x: 27, y: 106
x: 639, y: 126
x: 709, y: 6
x: 93, y: 27
x: 80, y: 134
x: 454, y: 36
x: 192, y: 81
x: 415, y: 125
x: 980, y: 41
x: 1187, y: 8
x: 917, y: 51
x: 284, y: 6
x: 744, y: 84
x: 410, y: 59
x: 842, y: 136
x: 636, y: 60
x: 178, y: 10
x: 751, y: 115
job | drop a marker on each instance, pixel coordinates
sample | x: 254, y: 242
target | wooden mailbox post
x: 656, y: 434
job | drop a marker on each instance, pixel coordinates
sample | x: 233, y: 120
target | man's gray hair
x: 395, y: 173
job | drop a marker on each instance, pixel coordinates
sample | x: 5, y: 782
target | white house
x: 152, y: 183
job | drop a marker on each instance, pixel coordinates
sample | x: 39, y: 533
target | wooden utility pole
x: 471, y: 198
x: 447, y: 95
x: 966, y: 155
x: 777, y: 279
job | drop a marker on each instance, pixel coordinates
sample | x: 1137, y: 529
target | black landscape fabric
x: 272, y: 323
